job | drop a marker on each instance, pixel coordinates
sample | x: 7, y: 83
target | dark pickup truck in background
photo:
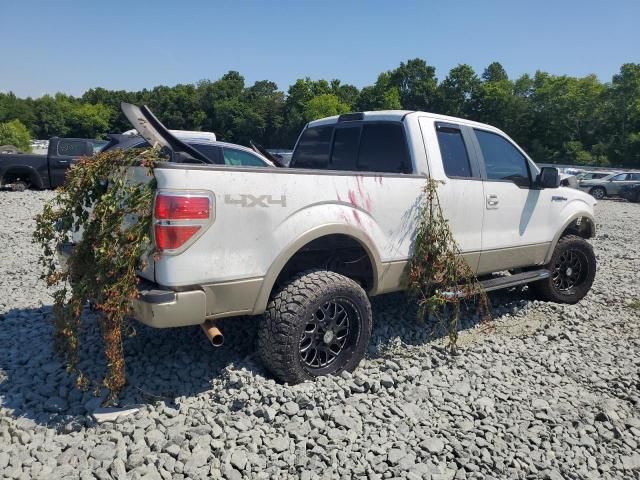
x: 24, y: 170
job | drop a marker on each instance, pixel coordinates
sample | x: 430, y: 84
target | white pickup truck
x: 306, y: 246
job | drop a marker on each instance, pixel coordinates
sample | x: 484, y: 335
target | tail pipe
x: 213, y: 333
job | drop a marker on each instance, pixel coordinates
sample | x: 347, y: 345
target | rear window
x: 313, y: 148
x: 369, y: 147
x: 383, y: 148
x: 345, y: 148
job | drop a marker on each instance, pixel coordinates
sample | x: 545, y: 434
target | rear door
x: 452, y: 161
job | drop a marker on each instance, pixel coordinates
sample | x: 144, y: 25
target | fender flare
x: 565, y: 225
x: 292, y: 248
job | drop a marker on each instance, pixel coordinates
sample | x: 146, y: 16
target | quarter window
x: 502, y: 160
x: 241, y: 158
x: 383, y: 148
x: 454, y: 152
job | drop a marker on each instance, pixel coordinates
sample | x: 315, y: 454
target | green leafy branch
x: 439, y: 277
x: 112, y: 214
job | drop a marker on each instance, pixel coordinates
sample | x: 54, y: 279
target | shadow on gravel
x: 164, y: 364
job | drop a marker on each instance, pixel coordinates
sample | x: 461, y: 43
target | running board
x: 509, y: 281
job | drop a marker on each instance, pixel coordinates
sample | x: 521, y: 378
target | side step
x: 509, y: 281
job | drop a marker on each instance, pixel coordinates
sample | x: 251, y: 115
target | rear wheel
x: 598, y: 193
x: 319, y: 323
x: 19, y: 186
x: 572, y: 267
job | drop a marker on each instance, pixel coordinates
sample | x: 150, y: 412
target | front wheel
x: 573, y: 269
x: 318, y: 323
x: 598, y: 193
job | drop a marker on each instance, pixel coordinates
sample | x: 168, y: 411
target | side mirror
x: 549, y: 177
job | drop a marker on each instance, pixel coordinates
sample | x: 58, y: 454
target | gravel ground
x: 552, y: 391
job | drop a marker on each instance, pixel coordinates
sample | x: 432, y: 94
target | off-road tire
x: 598, y: 193
x: 548, y: 289
x: 290, y: 311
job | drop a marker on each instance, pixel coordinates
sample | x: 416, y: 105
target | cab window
x: 453, y: 151
x: 72, y: 148
x: 502, y: 160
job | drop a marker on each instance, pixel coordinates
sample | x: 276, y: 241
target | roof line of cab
x: 397, y: 116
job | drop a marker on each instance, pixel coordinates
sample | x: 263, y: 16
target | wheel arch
x: 22, y: 170
x: 296, y: 246
x: 581, y: 224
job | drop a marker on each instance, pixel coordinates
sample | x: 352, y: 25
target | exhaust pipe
x: 213, y: 333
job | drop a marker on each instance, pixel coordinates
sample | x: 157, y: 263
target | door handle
x: 492, y: 201
x: 64, y: 162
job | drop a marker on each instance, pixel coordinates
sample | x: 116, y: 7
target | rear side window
x: 383, y: 148
x: 345, y: 148
x: 212, y: 152
x: 635, y: 176
x: 241, y: 158
x: 455, y: 158
x: 72, y: 148
x: 620, y: 178
x: 502, y: 160
x: 313, y: 148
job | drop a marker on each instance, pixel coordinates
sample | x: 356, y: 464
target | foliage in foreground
x: 16, y: 134
x: 114, y: 216
x: 438, y: 277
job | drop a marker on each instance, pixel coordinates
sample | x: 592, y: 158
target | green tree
x: 458, y: 92
x: 495, y: 72
x: 382, y: 96
x: 417, y: 83
x: 622, y: 115
x: 16, y: 134
x: 325, y: 105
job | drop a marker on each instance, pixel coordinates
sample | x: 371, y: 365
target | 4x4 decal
x: 248, y: 200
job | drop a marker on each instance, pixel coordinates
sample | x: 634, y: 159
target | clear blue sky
x: 71, y: 46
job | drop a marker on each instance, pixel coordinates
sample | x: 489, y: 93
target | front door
x: 517, y: 217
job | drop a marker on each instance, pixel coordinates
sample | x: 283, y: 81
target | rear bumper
x: 156, y: 306
x: 161, y: 308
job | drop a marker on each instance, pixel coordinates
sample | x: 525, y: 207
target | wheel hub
x: 570, y: 270
x: 325, y: 334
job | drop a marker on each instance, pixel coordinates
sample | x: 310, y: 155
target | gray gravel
x: 552, y: 391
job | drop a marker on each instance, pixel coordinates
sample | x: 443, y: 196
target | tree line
x: 556, y: 118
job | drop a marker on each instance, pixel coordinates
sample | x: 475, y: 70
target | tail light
x: 179, y: 218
